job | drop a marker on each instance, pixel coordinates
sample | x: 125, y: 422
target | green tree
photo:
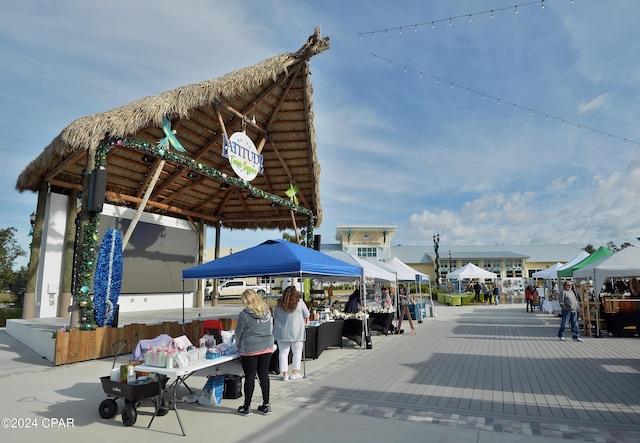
x: 20, y: 284
x: 589, y: 248
x: 10, y: 250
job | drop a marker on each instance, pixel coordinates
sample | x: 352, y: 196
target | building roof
x: 270, y: 101
x: 530, y: 253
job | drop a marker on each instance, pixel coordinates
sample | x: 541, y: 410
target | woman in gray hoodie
x: 254, y: 340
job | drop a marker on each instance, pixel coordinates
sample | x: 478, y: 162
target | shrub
x: 7, y: 297
x: 7, y: 313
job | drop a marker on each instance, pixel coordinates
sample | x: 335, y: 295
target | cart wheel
x: 129, y: 415
x: 130, y: 402
x: 164, y: 407
x: 108, y: 408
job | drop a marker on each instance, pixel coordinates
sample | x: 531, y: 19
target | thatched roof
x: 277, y: 93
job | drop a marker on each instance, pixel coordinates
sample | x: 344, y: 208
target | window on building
x: 367, y: 252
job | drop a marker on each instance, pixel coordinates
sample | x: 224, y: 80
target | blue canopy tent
x: 274, y: 258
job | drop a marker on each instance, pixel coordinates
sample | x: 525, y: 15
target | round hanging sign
x: 243, y: 156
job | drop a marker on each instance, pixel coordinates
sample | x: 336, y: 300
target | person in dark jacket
x: 476, y: 289
x: 354, y: 304
x: 254, y: 340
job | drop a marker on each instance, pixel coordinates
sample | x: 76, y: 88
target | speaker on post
x: 316, y: 242
x: 97, y: 189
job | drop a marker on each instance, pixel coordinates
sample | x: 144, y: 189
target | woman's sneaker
x: 297, y: 376
x: 245, y: 411
x: 264, y: 409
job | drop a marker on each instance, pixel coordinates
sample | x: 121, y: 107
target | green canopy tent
x: 596, y: 255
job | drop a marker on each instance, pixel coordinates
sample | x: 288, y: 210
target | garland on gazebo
x: 87, y: 263
x: 90, y: 237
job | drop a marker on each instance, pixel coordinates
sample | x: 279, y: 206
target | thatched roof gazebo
x: 270, y: 103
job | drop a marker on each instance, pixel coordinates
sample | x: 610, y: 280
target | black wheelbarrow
x: 132, y: 394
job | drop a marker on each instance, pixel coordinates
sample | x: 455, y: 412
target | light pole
x: 436, y: 245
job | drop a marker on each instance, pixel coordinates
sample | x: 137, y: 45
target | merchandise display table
x: 323, y: 336
x: 353, y: 329
x: 381, y: 321
x: 181, y: 375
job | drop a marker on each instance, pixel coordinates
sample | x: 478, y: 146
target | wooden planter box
x: 75, y: 345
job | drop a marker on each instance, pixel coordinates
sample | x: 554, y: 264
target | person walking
x: 569, y: 304
x: 254, y: 340
x: 403, y: 301
x: 496, y: 295
x: 289, y: 316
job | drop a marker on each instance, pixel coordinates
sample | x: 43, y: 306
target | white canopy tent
x: 624, y: 263
x: 581, y: 256
x: 405, y: 270
x: 404, y: 273
x: 468, y: 272
x: 371, y: 271
x: 549, y: 273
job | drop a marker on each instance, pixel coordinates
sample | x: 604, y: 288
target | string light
x: 469, y: 17
x: 499, y: 100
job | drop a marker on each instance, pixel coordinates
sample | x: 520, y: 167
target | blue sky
x: 481, y: 130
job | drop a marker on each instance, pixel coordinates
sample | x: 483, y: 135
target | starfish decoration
x: 291, y: 193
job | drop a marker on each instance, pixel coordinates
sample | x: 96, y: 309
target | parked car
x: 235, y: 288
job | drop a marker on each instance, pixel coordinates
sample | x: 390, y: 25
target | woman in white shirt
x: 289, y: 317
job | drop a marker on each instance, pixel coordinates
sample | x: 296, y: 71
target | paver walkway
x: 493, y: 368
x: 473, y: 374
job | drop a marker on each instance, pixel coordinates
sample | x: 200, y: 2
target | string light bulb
x: 499, y: 101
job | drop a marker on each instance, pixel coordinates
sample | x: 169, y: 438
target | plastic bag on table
x: 227, y: 337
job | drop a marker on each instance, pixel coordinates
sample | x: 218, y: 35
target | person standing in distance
x: 289, y: 317
x: 254, y: 340
x: 569, y: 304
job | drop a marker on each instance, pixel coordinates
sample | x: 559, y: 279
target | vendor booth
x: 549, y: 274
x: 283, y: 259
x: 406, y: 274
x: 613, y: 311
x: 380, y: 318
x: 467, y: 272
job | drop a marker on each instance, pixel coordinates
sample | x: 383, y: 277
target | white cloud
x: 394, y: 148
x: 596, y: 103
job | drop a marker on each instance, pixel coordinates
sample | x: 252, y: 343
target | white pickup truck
x: 235, y: 288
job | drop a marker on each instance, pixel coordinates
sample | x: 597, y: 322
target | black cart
x: 132, y: 394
